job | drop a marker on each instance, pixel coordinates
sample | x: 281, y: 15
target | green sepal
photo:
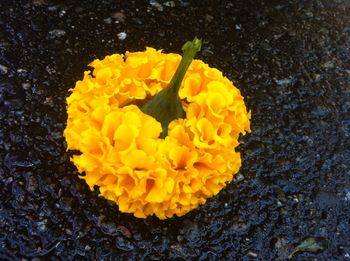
x: 166, y: 106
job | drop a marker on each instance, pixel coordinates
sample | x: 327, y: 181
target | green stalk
x: 166, y: 105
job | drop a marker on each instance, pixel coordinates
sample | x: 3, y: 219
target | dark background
x: 289, y: 58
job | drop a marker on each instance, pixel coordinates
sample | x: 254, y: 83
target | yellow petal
x: 156, y: 194
x: 136, y: 159
x: 125, y: 137
x: 191, y: 86
x: 169, y: 185
x: 110, y: 124
x: 103, y: 74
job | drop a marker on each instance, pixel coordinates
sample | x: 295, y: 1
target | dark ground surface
x: 289, y: 58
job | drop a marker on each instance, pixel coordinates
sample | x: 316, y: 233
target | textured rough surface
x: 289, y: 58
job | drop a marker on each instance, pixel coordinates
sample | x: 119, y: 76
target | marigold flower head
x: 121, y: 148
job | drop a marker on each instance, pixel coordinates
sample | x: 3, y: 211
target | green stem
x: 166, y: 105
x: 189, y: 51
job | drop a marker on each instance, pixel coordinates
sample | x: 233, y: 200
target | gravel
x: 289, y: 58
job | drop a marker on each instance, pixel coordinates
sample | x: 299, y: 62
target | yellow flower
x: 121, y: 149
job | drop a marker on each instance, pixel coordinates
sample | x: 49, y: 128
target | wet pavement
x: 289, y: 58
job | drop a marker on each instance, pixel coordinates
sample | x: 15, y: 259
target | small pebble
x: 119, y: 17
x: 283, y: 82
x: 156, y: 5
x: 169, y: 4
x: 57, y: 33
x: 49, y: 102
x: 50, y: 70
x: 42, y: 225
x: 252, y: 254
x: 309, y: 14
x: 26, y: 86
x: 328, y: 64
x: 3, y: 69
x: 53, y: 8
x: 239, y: 177
x: 347, y: 197
x: 108, y: 20
x: 21, y: 71
x: 122, y: 36
x: 295, y: 199
x: 62, y: 13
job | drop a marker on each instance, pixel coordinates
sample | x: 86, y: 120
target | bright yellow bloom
x: 121, y: 149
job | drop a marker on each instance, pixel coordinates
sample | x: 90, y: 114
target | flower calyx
x: 166, y: 106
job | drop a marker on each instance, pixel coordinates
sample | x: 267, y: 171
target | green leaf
x: 310, y: 245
